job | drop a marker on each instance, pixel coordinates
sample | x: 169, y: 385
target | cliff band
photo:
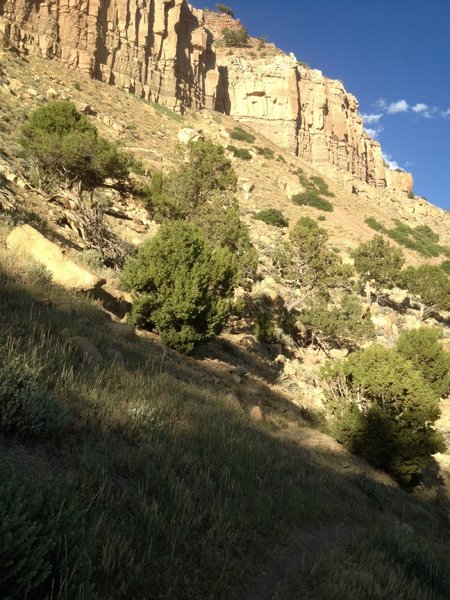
x: 163, y: 50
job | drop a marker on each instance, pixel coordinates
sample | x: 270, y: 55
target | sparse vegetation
x: 226, y: 10
x: 241, y: 153
x: 143, y: 475
x: 315, y: 190
x: 422, y: 238
x: 266, y: 152
x: 236, y: 37
x: 272, y: 216
x: 241, y: 135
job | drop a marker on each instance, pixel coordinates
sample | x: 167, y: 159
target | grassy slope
x: 185, y: 497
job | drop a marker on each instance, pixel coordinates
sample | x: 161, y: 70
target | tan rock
x: 86, y: 350
x: 256, y: 414
x: 64, y: 272
x: 187, y: 135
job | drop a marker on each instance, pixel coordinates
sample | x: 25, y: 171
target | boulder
x: 256, y: 414
x: 64, y: 271
x: 86, y: 350
x: 187, y: 135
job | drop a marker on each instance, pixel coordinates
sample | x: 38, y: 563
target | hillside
x: 138, y: 472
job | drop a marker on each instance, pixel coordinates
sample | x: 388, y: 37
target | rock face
x: 163, y: 50
x: 158, y: 49
x: 64, y: 271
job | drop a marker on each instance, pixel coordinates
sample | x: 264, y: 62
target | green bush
x: 27, y: 409
x: 241, y: 153
x: 45, y: 551
x: 226, y: 10
x: 320, y: 184
x: 383, y: 410
x: 224, y: 227
x: 68, y: 149
x: 422, y: 239
x: 266, y: 152
x: 265, y: 327
x: 236, y: 38
x: 379, y: 262
x: 307, y: 264
x: 345, y: 323
x: 312, y: 198
x: 423, y: 347
x: 445, y: 266
x: 202, y: 190
x: 272, y: 216
x: 241, y: 135
x: 205, y: 174
x: 181, y: 285
x: 430, y: 286
x: 376, y: 225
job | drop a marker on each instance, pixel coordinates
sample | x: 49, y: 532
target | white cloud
x: 380, y: 104
x: 392, y: 163
x: 397, y: 107
x: 371, y: 119
x: 420, y: 107
x: 428, y: 112
x: 446, y: 113
x: 374, y: 132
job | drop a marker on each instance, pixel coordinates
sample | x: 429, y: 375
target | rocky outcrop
x: 64, y: 272
x: 158, y: 49
x: 331, y: 131
x: 163, y: 50
x: 263, y: 93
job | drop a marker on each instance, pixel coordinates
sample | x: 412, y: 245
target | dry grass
x: 185, y: 497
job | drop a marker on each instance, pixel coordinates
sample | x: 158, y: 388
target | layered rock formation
x: 158, y: 49
x: 162, y: 50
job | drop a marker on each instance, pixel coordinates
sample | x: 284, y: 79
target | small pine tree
x: 181, y: 285
x: 346, y: 323
x: 431, y: 287
x: 307, y: 265
x: 204, y: 174
x: 378, y: 263
x: 384, y: 410
x: 424, y: 349
x: 68, y: 150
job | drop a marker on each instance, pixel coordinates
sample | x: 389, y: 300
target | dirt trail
x: 276, y: 579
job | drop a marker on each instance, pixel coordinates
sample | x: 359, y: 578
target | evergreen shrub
x: 272, y: 216
x: 384, y: 410
x: 182, y: 285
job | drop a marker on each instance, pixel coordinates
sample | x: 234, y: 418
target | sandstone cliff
x: 158, y: 49
x: 164, y: 50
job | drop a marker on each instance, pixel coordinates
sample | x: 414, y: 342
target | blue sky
x: 393, y: 55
